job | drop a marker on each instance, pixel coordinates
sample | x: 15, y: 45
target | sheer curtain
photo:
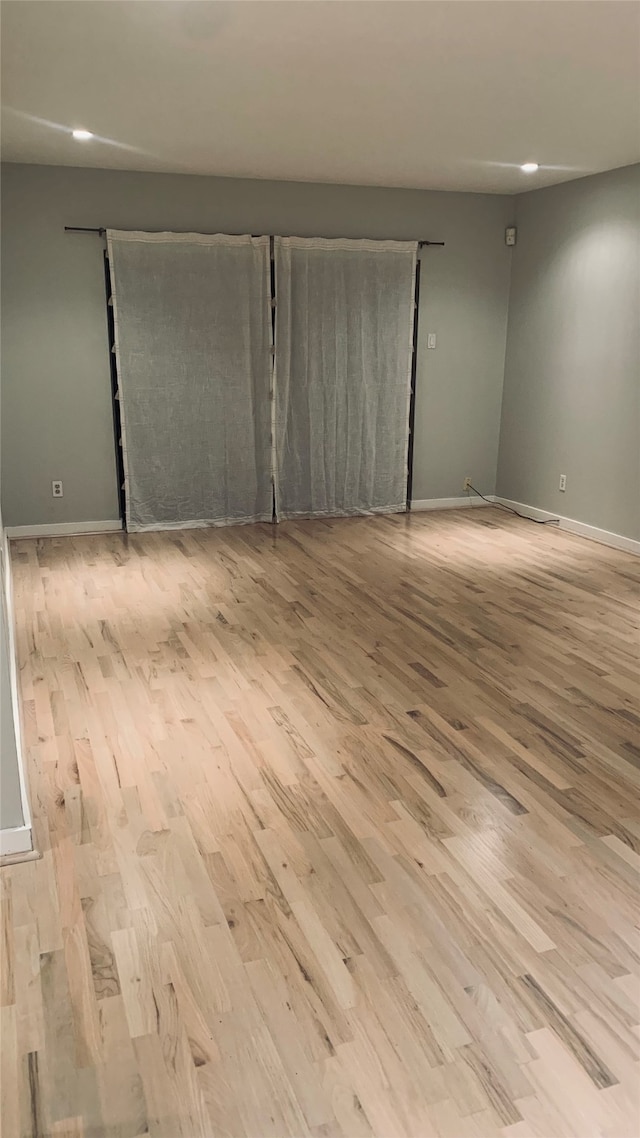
x: 344, y: 323
x: 193, y: 339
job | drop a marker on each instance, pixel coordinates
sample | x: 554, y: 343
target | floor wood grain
x: 340, y: 832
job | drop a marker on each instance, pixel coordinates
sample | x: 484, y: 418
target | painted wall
x: 571, y: 402
x: 56, y: 387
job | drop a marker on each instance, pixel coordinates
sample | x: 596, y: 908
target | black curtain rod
x: 83, y: 229
x: 102, y: 231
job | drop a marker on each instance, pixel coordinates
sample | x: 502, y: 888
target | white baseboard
x: 528, y: 511
x: 62, y: 529
x: 14, y: 839
x: 469, y: 501
x: 616, y: 540
x: 18, y: 840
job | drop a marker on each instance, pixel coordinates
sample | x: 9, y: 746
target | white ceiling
x: 445, y: 95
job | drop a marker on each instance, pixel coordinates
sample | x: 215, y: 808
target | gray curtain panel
x: 344, y: 322
x: 193, y: 339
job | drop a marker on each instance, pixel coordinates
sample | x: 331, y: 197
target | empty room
x: 320, y: 423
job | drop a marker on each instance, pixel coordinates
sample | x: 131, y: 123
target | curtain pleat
x: 193, y: 338
x: 344, y: 323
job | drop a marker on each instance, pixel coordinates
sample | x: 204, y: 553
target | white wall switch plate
x: 56, y: 488
x: 563, y: 482
x: 432, y: 340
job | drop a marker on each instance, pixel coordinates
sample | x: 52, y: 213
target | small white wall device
x: 510, y: 235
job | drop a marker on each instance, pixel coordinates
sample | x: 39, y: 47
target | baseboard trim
x: 570, y: 525
x: 581, y: 529
x: 593, y: 533
x: 528, y: 511
x: 469, y: 501
x: 17, y: 840
x: 62, y: 529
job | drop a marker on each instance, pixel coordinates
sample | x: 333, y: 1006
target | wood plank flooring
x: 340, y: 829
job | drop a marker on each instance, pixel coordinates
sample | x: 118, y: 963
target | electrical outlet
x: 467, y: 484
x: 563, y: 482
x: 56, y: 488
x: 432, y: 340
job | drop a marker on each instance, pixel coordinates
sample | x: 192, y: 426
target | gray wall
x: 571, y: 402
x: 56, y: 387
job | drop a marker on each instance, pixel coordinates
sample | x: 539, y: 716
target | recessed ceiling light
x: 530, y: 167
x: 82, y: 135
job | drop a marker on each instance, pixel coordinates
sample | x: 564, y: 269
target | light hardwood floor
x: 339, y: 826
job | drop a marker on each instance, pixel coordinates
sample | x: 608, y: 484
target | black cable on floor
x: 501, y: 506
